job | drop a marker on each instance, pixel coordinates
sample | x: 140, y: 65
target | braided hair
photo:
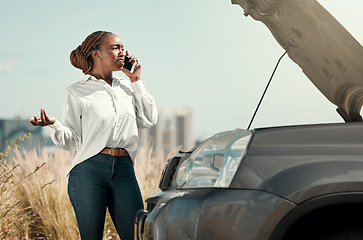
x: 81, y: 56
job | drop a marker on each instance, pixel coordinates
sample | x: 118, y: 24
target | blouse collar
x: 91, y: 77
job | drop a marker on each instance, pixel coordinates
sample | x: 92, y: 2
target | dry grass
x: 34, y: 200
x: 149, y: 164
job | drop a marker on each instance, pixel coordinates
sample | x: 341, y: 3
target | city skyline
x: 174, y: 129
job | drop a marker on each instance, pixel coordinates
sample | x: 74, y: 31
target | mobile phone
x: 128, y: 65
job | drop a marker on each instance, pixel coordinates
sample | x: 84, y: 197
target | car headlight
x: 215, y: 161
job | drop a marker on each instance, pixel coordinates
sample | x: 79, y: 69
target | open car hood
x: 326, y: 52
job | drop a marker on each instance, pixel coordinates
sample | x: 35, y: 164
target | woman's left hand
x: 135, y: 75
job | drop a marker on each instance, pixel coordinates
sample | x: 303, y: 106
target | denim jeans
x: 103, y: 182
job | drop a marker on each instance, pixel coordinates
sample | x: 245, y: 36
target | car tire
x: 353, y: 234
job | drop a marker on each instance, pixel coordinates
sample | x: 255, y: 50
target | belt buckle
x: 111, y: 152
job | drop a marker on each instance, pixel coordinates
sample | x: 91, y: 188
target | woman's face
x: 111, y: 52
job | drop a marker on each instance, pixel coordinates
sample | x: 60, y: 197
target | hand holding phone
x: 128, y: 65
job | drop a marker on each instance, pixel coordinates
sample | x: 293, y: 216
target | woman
x: 101, y: 114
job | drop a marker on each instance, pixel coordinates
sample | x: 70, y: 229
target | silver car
x: 290, y: 182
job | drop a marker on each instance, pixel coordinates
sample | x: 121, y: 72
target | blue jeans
x: 104, y: 182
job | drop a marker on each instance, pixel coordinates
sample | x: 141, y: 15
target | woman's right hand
x: 43, y: 120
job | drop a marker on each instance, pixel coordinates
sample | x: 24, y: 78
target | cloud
x: 9, y: 66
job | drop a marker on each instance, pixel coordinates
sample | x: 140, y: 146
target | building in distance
x: 174, y: 129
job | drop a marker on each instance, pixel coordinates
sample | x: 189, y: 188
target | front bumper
x: 141, y: 215
x: 210, y: 214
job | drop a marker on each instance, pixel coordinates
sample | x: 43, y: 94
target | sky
x: 204, y: 55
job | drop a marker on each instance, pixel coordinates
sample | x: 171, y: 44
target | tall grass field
x: 34, y: 203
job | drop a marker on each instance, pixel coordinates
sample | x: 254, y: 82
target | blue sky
x: 200, y: 54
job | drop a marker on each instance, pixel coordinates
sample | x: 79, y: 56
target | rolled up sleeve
x: 67, y: 135
x: 146, y: 111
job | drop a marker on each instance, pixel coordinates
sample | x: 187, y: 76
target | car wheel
x: 353, y: 234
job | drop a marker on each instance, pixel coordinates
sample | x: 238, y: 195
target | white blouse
x: 96, y: 115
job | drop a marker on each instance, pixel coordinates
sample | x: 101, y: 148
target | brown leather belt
x: 115, y: 152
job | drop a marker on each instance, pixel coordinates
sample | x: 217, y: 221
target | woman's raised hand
x: 43, y: 120
x: 134, y: 76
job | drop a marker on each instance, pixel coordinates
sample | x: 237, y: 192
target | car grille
x: 168, y: 173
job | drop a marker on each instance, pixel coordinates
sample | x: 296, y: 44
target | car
x: 275, y: 183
